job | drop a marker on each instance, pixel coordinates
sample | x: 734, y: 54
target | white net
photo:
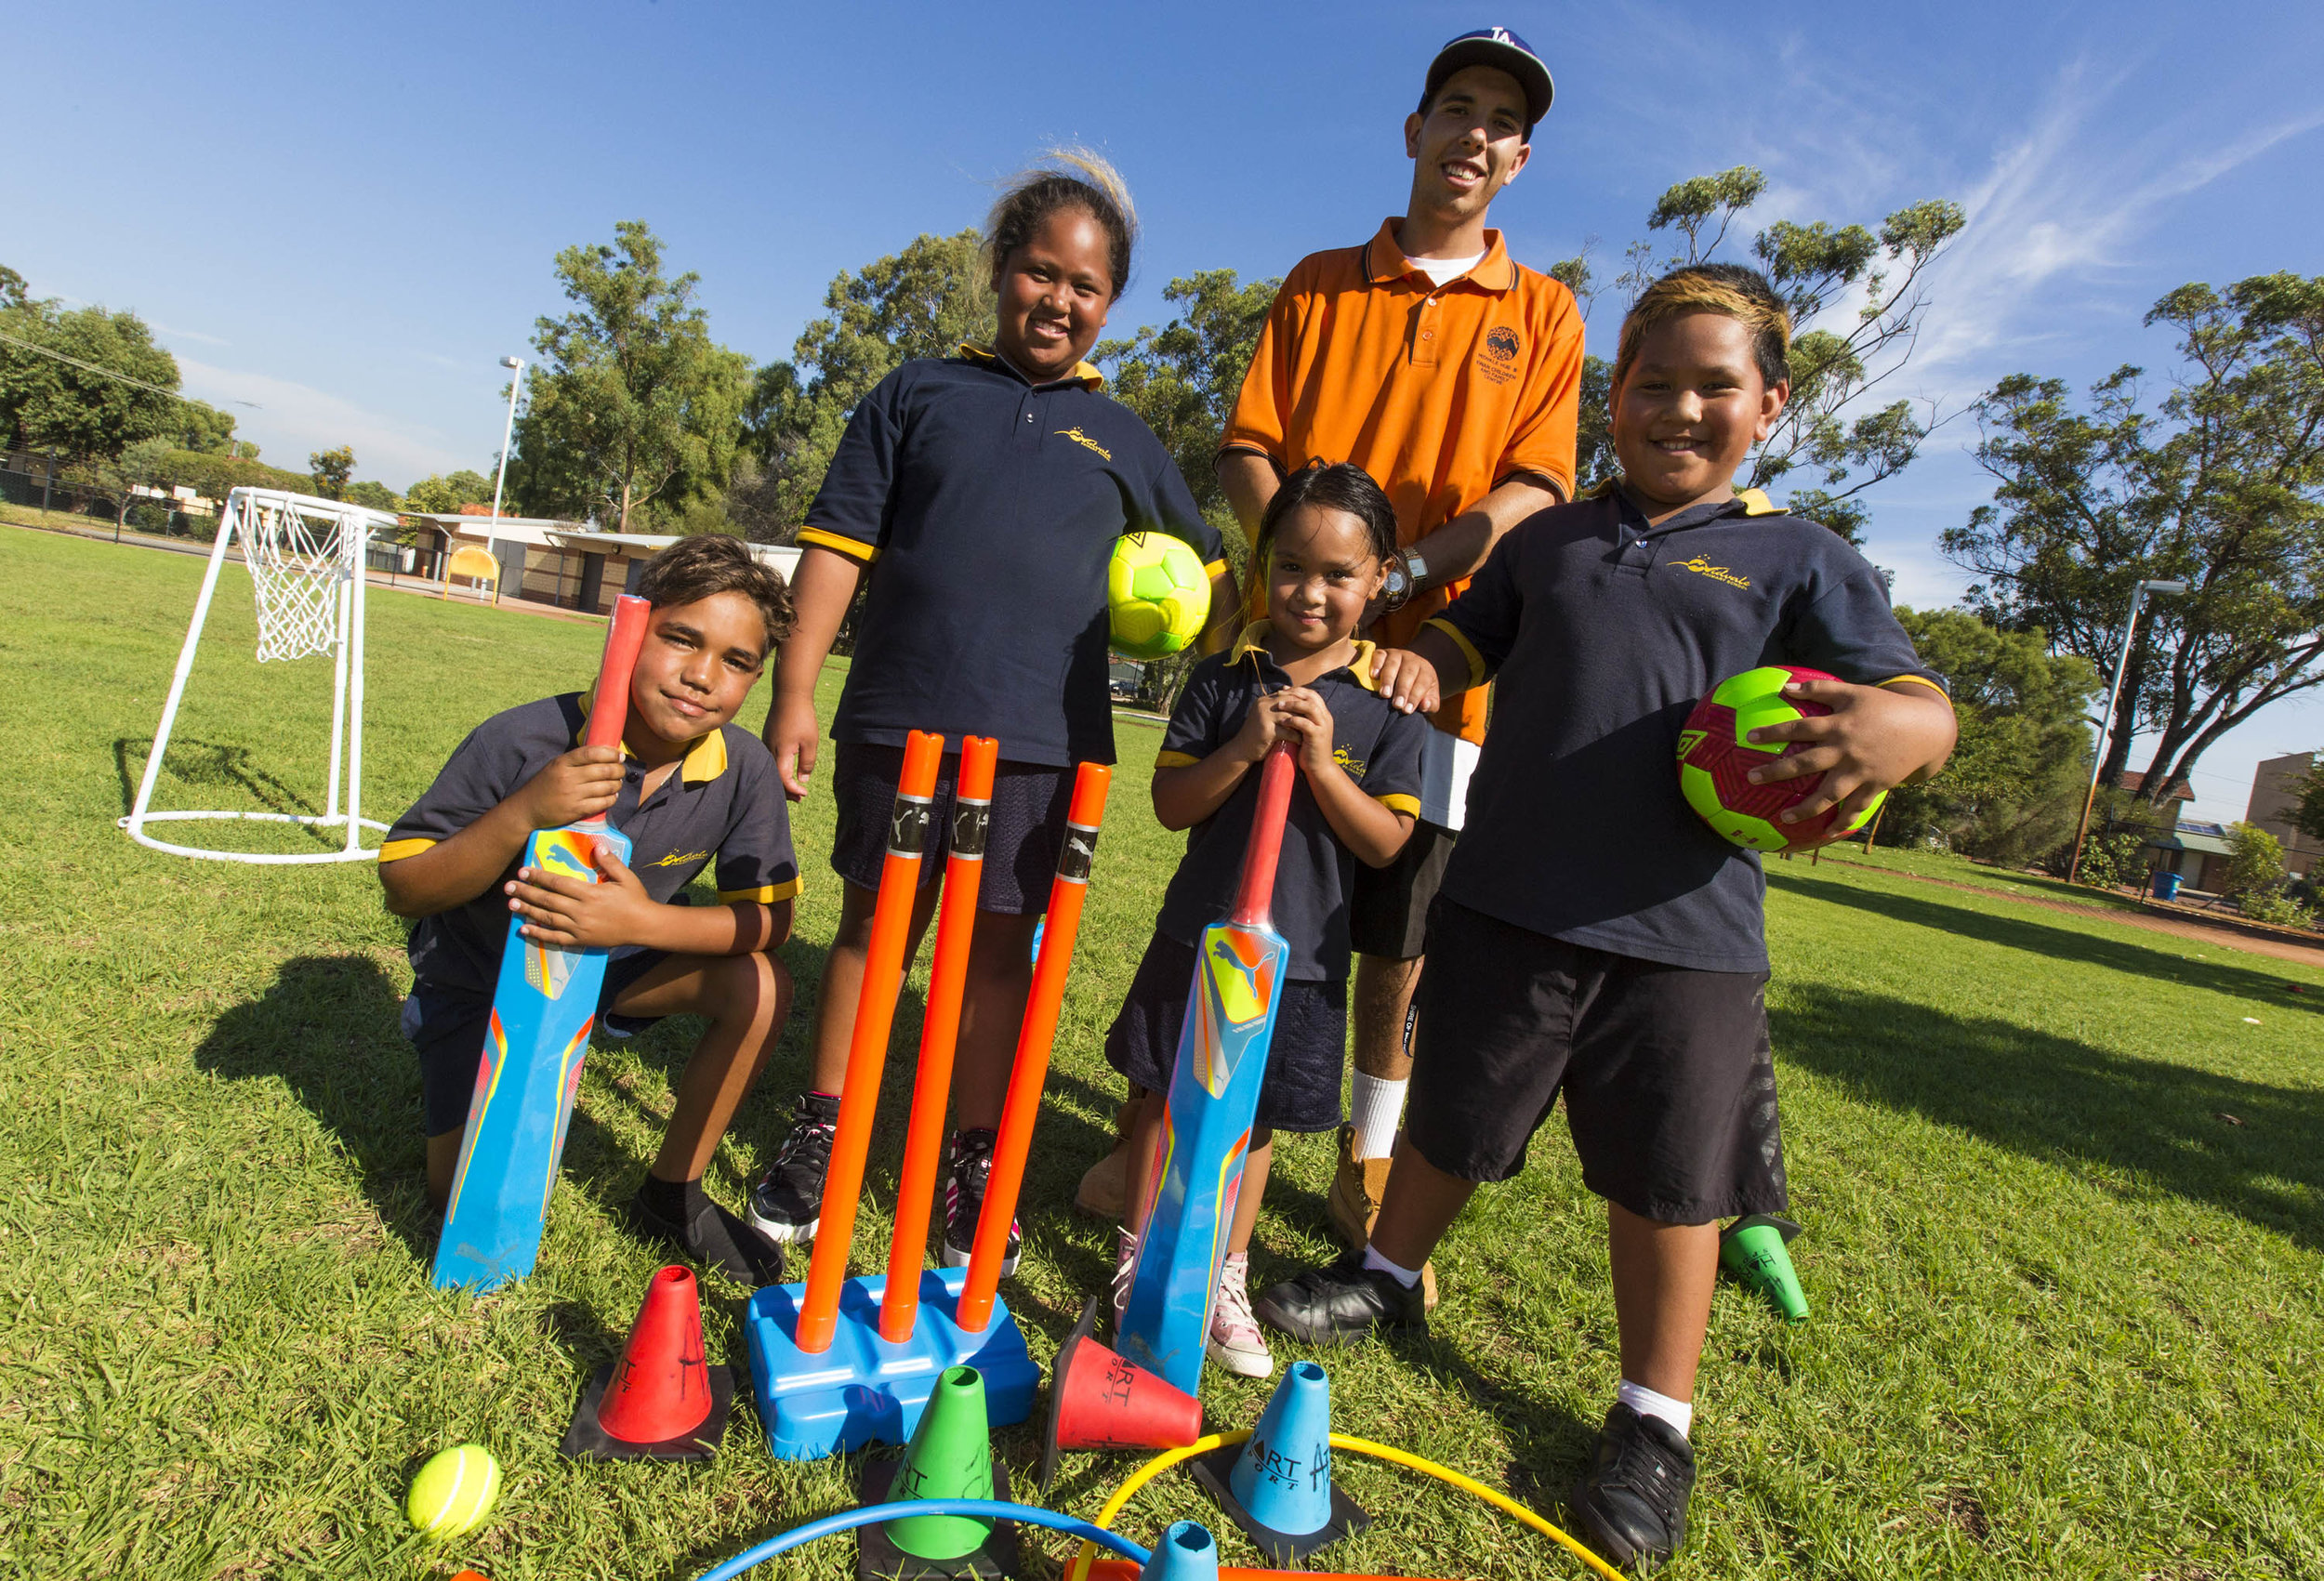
x: 301, y: 555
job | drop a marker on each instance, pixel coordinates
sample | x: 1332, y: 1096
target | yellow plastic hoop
x: 1469, y: 1485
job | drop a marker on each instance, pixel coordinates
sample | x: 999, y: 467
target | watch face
x: 1396, y: 581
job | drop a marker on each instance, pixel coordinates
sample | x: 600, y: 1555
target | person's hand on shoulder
x: 1875, y: 739
x: 574, y: 788
x: 1405, y: 679
x: 568, y: 914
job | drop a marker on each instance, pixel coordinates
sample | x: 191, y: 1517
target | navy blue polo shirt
x: 722, y: 802
x: 1604, y: 633
x: 987, y: 507
x: 1378, y: 747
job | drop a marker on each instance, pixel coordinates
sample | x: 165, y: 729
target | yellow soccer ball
x: 1157, y: 596
x: 455, y: 1491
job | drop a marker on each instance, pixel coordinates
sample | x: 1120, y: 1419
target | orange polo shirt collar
x: 1385, y: 263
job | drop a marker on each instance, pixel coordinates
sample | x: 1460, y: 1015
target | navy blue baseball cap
x: 1504, y: 51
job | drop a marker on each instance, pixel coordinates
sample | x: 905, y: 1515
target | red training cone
x: 1099, y: 1401
x: 661, y: 1401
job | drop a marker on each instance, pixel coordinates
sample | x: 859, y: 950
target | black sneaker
x: 787, y: 1201
x: 971, y: 1162
x: 1631, y: 1506
x: 715, y: 1237
x: 1341, y: 1304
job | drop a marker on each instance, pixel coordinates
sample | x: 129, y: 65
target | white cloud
x: 2063, y: 204
x: 297, y: 420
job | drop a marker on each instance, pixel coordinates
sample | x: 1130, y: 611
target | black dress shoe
x: 1631, y: 1506
x: 715, y: 1238
x: 1341, y: 1304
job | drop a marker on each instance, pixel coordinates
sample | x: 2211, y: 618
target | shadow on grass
x: 328, y: 1027
x: 196, y: 762
x: 2059, y: 1100
x: 2161, y: 964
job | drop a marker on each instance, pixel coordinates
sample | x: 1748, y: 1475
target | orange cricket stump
x: 834, y: 1362
x: 940, y: 1034
x: 1030, y: 1071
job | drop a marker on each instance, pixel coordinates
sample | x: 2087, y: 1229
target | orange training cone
x: 661, y: 1401
x: 1099, y: 1401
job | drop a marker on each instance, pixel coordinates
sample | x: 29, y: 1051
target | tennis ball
x: 1156, y: 596
x: 1715, y: 756
x: 455, y: 1491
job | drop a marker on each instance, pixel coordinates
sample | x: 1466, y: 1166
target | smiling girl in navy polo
x: 983, y: 493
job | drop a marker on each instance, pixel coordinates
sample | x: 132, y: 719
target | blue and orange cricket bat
x: 544, y: 1009
x: 1231, y: 1009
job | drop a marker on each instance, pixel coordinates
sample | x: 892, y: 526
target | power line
x: 109, y: 372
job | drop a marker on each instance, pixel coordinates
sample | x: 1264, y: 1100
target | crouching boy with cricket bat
x: 687, y: 789
x: 1594, y: 937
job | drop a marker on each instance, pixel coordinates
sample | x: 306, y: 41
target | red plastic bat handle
x: 609, y: 710
x: 1255, y: 900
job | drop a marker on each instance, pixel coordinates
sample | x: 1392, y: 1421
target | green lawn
x: 2063, y: 1182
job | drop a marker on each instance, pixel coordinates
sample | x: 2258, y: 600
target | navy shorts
x: 1304, y: 1063
x: 1021, y: 844
x: 448, y: 1026
x: 1669, y: 1082
x: 1388, y: 907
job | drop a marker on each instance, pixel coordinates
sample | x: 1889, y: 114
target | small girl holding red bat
x: 1299, y: 677
x: 980, y: 495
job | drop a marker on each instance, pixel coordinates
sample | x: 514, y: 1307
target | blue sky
x: 346, y: 215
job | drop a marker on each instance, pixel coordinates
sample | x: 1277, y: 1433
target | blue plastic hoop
x: 981, y: 1508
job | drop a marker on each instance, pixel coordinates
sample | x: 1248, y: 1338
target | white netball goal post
x: 306, y: 560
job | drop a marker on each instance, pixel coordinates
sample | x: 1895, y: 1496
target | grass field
x: 2063, y: 1183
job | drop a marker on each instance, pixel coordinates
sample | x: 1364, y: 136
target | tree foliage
x: 443, y: 494
x: 2013, y: 789
x: 331, y: 468
x: 634, y: 409
x: 2220, y: 485
x: 921, y: 302
x: 85, y: 383
x: 2307, y: 813
x: 2255, y: 862
x: 1857, y: 297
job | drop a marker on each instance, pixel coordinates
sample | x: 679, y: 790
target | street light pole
x: 507, y: 433
x: 2122, y: 662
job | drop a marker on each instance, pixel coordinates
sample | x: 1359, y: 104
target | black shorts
x: 1020, y: 845
x: 447, y: 1027
x: 1301, y: 1090
x: 1669, y: 1082
x: 1388, y: 910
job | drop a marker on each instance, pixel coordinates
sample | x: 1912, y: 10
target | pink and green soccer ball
x: 1157, y: 596
x: 1714, y: 757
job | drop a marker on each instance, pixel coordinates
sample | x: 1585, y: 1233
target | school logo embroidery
x: 1084, y: 440
x: 1497, y: 360
x: 1702, y: 567
x: 1354, y: 765
x: 680, y: 858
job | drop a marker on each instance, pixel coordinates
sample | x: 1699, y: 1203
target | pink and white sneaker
x: 1236, y: 1343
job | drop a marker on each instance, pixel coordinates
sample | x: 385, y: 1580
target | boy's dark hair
x: 1735, y: 291
x: 710, y: 563
x: 1335, y: 485
x: 1031, y: 197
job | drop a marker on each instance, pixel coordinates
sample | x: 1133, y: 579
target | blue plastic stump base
x: 863, y: 1390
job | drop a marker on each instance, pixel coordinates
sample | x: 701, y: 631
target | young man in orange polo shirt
x: 1433, y: 360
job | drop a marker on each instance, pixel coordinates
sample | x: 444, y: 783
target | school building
x: 545, y: 561
x: 2275, y: 794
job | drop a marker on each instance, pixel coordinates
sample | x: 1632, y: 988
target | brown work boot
x: 1105, y: 1190
x: 1356, y: 1187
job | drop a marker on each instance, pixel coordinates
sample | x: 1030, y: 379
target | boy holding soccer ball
x: 1594, y: 937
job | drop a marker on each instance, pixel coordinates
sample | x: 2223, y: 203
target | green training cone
x: 950, y: 1456
x: 1753, y: 1248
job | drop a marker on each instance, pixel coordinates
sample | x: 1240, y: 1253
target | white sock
x: 1378, y: 1107
x: 1407, y: 1277
x: 1647, y: 1403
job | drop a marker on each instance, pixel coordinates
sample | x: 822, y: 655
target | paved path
x: 2200, y: 933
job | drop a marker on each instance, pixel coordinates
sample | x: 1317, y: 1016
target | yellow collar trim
x: 705, y: 756
x: 1253, y: 639
x: 1085, y: 373
x: 1753, y: 501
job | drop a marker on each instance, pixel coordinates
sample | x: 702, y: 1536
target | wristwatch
x: 1405, y: 572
